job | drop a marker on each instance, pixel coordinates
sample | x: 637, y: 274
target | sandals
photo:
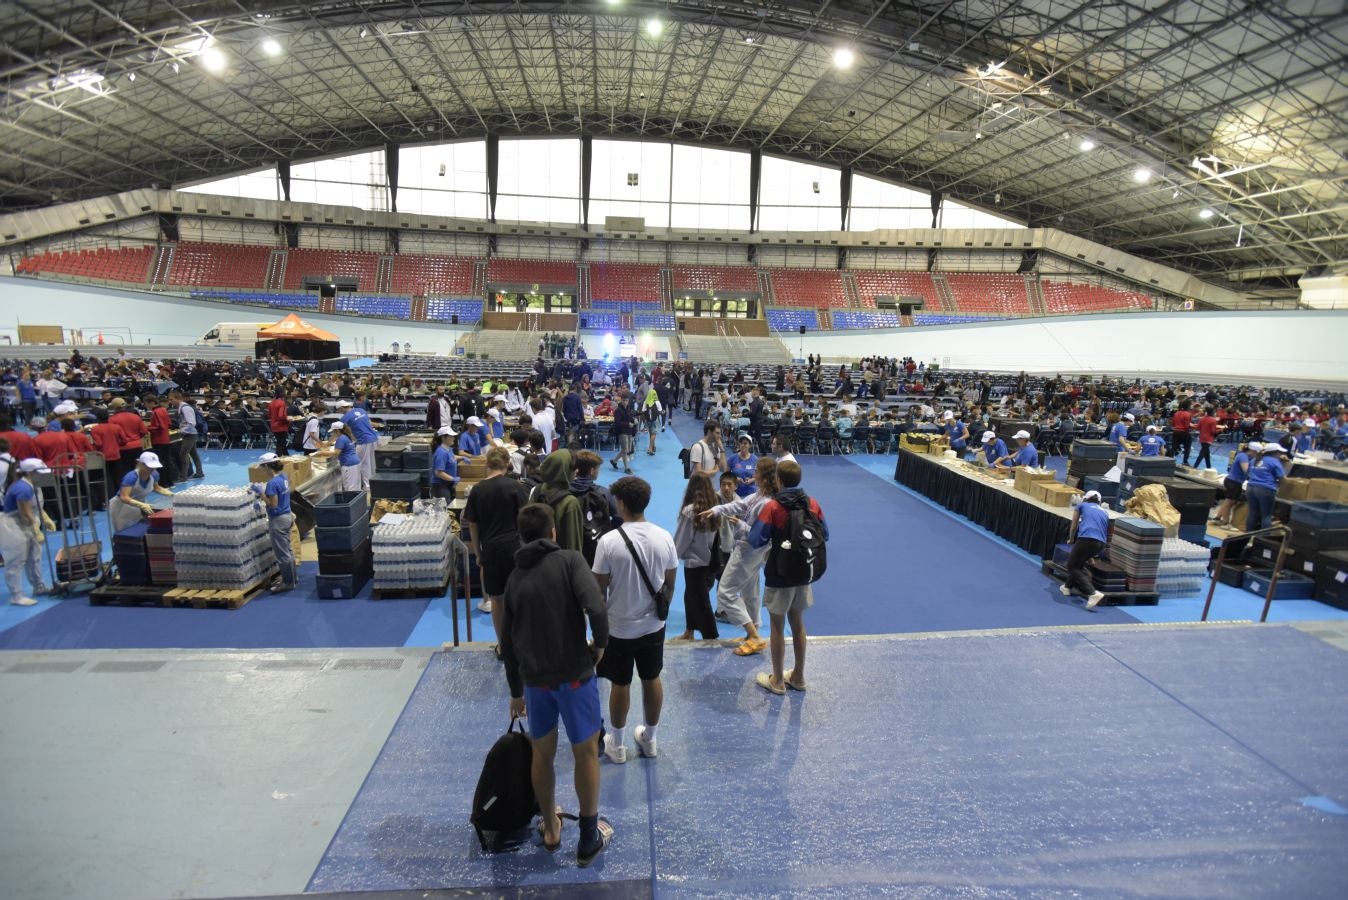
x: 583, y: 860
x: 496, y: 649
x: 749, y: 647
x: 790, y: 682
x: 764, y: 680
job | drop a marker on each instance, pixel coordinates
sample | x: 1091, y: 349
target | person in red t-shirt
x: 161, y: 429
x: 1181, y: 434
x: 20, y: 443
x: 51, y: 445
x: 279, y: 416
x: 1207, y: 435
x: 107, y: 439
x: 133, y: 436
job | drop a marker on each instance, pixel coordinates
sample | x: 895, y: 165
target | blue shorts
x: 577, y: 704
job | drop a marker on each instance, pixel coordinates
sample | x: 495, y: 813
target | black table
x: 1008, y: 514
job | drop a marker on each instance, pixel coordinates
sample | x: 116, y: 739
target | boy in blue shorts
x: 550, y: 668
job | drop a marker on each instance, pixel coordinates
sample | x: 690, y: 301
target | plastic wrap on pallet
x: 220, y: 539
x: 415, y: 553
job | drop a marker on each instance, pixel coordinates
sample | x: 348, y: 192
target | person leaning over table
x: 129, y: 506
x: 473, y: 440
x: 1027, y: 455
x: 343, y: 446
x: 1262, y: 485
x: 994, y: 448
x: 1118, y: 432
x: 1152, y: 443
x: 956, y: 431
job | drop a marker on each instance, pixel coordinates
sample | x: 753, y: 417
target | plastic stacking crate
x: 389, y: 459
x: 1291, y: 586
x: 347, y: 562
x: 1320, y: 514
x: 1091, y: 449
x: 1161, y: 466
x: 342, y: 509
x: 396, y: 486
x: 342, y: 587
x: 344, y: 539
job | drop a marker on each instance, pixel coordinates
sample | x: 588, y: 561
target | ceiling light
x: 613, y: 2
x: 271, y: 47
x: 174, y: 66
x: 1174, y: 195
x: 654, y: 27
x: 1142, y: 174
x: 1205, y: 213
x: 1086, y: 145
x: 84, y: 79
x: 212, y: 59
x: 130, y: 76
x: 843, y: 57
x: 748, y: 39
x: 364, y: 32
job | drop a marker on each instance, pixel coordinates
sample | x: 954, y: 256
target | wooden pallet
x: 1111, y: 598
x: 410, y: 593
x: 213, y: 599
x: 127, y: 595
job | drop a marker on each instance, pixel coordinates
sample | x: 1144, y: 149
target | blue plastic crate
x: 1291, y: 586
x: 1320, y: 514
x: 342, y: 509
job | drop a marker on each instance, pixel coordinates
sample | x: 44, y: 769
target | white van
x: 225, y: 334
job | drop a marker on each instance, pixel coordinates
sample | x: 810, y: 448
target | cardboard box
x: 1025, y: 478
x: 1059, y: 494
x: 1295, y: 488
x: 1039, y: 489
x: 298, y: 469
x: 1333, y: 489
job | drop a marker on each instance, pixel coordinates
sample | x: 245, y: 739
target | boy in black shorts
x: 491, y: 512
x: 637, y: 634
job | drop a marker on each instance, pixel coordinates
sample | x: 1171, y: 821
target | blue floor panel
x: 1133, y: 763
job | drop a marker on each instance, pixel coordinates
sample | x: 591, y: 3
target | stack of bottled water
x: 413, y: 554
x: 220, y: 539
x: 1183, y: 568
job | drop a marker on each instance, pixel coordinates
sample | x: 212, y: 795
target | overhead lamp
x: 85, y: 80
x: 271, y: 47
x: 1174, y: 195
x: 130, y: 76
x: 1206, y: 213
x: 613, y: 2
x: 843, y: 58
x: 654, y: 27
x: 364, y: 32
x: 748, y: 39
x: 1086, y: 145
x: 175, y: 67
x: 1142, y: 174
x: 212, y: 59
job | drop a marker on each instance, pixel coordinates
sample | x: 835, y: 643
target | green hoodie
x: 556, y: 492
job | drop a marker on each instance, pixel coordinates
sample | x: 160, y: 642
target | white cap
x: 1274, y: 448
x: 65, y: 407
x: 495, y: 413
x: 1309, y: 423
x: 343, y: 404
x: 499, y: 398
x: 947, y: 415
x: 989, y: 436
x: 268, y: 457
x: 1152, y: 429
x: 1254, y: 447
x: 335, y: 426
x: 150, y: 460
x: 1093, y: 496
x: 1129, y: 417
x: 33, y: 464
x: 1020, y: 434
x: 474, y: 420
x: 446, y: 430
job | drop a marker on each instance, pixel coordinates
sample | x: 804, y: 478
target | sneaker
x: 645, y: 746
x: 280, y: 587
x: 615, y: 753
x: 484, y: 605
x: 627, y: 471
x: 23, y: 601
x: 1064, y: 590
x: 1094, y: 600
x: 613, y: 463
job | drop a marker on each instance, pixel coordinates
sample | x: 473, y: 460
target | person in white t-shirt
x: 545, y: 420
x: 636, y: 632
x: 780, y: 450
x: 708, y: 455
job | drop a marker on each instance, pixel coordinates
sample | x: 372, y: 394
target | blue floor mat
x: 1112, y: 764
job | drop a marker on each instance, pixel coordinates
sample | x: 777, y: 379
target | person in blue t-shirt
x: 342, y: 446
x: 1118, y: 434
x: 128, y: 507
x: 742, y: 465
x: 1089, y: 534
x: 21, y: 533
x: 1152, y: 443
x: 444, y: 466
x: 955, y: 429
x: 994, y: 448
x: 362, y: 431
x: 276, y: 493
x: 473, y: 441
x: 1234, y: 483
x: 1262, y: 485
x: 1026, y: 455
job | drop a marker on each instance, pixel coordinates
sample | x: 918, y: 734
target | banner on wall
x: 458, y: 351
x: 683, y: 356
x: 662, y: 354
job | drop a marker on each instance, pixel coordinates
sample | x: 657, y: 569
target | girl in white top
x: 313, y: 439
x: 739, y: 596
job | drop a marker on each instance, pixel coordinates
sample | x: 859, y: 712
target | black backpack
x: 504, y: 804
x: 595, y: 522
x: 799, y: 552
x: 686, y: 457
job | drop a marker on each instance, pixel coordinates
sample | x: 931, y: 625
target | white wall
x: 172, y: 320
x: 1297, y: 343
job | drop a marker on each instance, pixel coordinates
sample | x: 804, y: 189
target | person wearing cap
x: 1118, y: 433
x: 1026, y: 455
x: 21, y: 534
x: 1306, y: 436
x: 743, y: 464
x: 129, y: 506
x: 496, y: 425
x: 472, y: 442
x: 1261, y: 486
x: 1089, y: 534
x: 343, y: 446
x: 994, y: 448
x: 362, y: 431
x: 276, y: 494
x: 955, y: 429
x: 135, y: 434
x: 66, y: 409
x: 1234, y: 482
x: 1208, y: 427
x: 49, y: 445
x: 444, y: 466
x: 1152, y: 444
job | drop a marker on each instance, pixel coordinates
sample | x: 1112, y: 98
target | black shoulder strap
x: 646, y: 579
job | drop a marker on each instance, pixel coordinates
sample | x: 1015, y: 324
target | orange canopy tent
x: 295, y: 328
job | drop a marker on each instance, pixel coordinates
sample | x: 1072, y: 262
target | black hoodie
x: 547, y: 598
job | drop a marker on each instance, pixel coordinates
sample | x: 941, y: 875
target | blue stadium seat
x: 654, y: 322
